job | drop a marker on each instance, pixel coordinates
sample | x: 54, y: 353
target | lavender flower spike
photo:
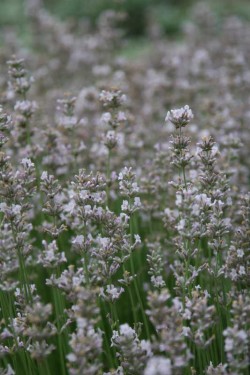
x: 180, y: 117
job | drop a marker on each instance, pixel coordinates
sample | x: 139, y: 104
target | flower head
x: 180, y: 117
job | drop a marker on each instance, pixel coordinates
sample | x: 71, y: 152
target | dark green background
x: 170, y: 14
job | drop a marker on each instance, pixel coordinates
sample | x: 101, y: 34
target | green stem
x: 107, y: 348
x: 58, y: 310
x: 145, y: 320
x: 23, y: 276
x: 133, y: 305
x: 108, y: 177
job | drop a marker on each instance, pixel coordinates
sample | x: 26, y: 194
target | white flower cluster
x: 125, y: 331
x: 127, y: 184
x: 158, y: 366
x: 132, y: 206
x: 51, y: 257
x: 112, y: 98
x: 180, y: 117
x: 111, y: 293
x: 25, y: 107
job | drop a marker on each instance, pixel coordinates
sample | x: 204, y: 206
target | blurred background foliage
x: 169, y: 14
x: 137, y: 11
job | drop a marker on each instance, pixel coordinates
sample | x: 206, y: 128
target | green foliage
x: 136, y: 11
x: 11, y: 12
x: 168, y: 12
x: 170, y: 18
x: 237, y: 8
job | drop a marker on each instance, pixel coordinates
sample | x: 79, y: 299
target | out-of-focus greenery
x: 169, y: 14
x: 170, y: 17
x: 137, y: 11
x: 240, y: 8
x: 11, y: 12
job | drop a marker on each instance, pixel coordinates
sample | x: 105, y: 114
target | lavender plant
x: 124, y: 241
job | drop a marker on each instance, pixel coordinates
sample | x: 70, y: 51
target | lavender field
x: 124, y: 196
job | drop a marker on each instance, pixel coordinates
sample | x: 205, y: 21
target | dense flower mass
x: 124, y: 243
